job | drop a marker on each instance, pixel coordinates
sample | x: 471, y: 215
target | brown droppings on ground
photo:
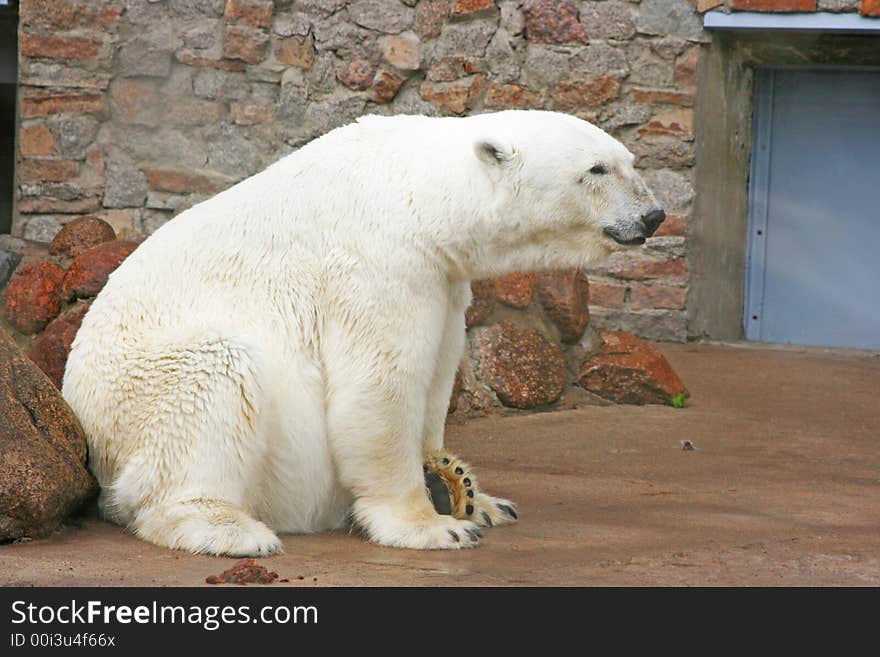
x: 245, y: 571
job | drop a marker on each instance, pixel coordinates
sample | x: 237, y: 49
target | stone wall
x: 134, y: 110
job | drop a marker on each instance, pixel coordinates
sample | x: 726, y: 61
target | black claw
x: 475, y: 534
x: 469, y: 509
x: 459, y: 471
x: 508, y: 510
x: 487, y: 519
x: 466, y: 481
x: 470, y: 493
x: 454, y: 536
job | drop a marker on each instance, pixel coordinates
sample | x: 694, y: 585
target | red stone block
x: 61, y: 104
x: 245, y: 43
x: 462, y: 7
x: 88, y: 273
x: 650, y: 269
x: 674, y: 226
x: 482, y: 303
x: 521, y: 366
x: 565, y: 297
x: 80, y: 235
x: 572, y: 96
x: 628, y: 370
x: 63, y: 15
x: 515, y: 290
x: 607, y: 296
x: 657, y: 296
x: 179, y: 182
x: 870, y: 8
x: 47, y: 170
x: 386, y: 86
x: 253, y: 12
x: 51, y: 348
x: 662, y: 96
x: 33, y: 296
x: 512, y: 96
x: 357, y: 74
x: 35, y: 140
x: 57, y: 47
x: 553, y: 21
x: 773, y: 5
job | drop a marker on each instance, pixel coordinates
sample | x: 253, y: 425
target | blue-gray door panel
x: 814, y: 242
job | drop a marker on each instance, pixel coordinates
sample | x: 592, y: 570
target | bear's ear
x: 494, y: 151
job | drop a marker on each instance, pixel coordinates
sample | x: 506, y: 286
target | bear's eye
x: 599, y: 170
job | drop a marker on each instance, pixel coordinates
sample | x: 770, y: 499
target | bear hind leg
x: 206, y: 526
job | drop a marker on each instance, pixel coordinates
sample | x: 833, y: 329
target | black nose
x: 652, y: 221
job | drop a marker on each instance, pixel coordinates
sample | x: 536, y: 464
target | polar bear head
x: 565, y: 191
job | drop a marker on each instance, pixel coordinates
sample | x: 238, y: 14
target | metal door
x: 813, y: 271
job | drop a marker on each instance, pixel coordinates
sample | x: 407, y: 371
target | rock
x: 357, y: 74
x: 456, y: 391
x: 197, y: 8
x: 80, y: 235
x: 673, y: 190
x: 51, y: 348
x: 33, y: 297
x: 401, y: 51
x: 468, y: 39
x: 41, y: 228
x: 482, y: 303
x: 608, y: 20
x: 628, y: 370
x: 8, y: 262
x: 515, y: 290
x: 43, y: 477
x: 565, y: 296
x: 389, y: 17
x: 552, y: 21
x: 386, y: 86
x: 126, y: 184
x: 430, y: 17
x: 521, y: 366
x: 669, y: 17
x: 89, y: 272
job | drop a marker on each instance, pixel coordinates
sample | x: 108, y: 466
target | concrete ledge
x: 821, y: 21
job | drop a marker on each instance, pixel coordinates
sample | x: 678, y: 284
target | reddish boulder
x: 482, y: 303
x: 89, y: 272
x: 515, y: 290
x: 80, y: 235
x: 553, y: 21
x: 565, y: 296
x: 51, y: 348
x: 33, y: 297
x: 523, y: 368
x: 628, y: 370
x: 43, y: 477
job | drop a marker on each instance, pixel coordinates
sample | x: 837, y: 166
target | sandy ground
x: 783, y: 488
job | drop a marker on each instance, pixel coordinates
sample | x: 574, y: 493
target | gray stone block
x: 8, y: 262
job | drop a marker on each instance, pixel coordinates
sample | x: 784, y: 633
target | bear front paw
x: 454, y: 491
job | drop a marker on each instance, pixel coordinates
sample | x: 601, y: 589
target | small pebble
x: 687, y: 446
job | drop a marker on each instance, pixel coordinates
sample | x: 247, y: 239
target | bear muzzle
x: 640, y: 231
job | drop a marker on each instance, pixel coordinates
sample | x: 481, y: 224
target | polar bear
x: 279, y: 358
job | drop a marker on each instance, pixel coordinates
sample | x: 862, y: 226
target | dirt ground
x: 782, y: 488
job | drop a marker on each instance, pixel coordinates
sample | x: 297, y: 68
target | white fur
x: 281, y: 355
